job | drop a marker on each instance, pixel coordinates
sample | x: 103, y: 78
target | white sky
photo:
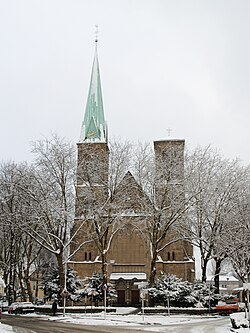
x: 180, y: 64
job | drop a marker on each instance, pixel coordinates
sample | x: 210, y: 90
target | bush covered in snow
x: 93, y: 288
x: 182, y: 293
x: 51, y: 284
x: 239, y: 320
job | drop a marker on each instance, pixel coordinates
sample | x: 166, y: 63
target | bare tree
x: 214, y: 183
x: 53, y: 198
x: 18, y: 250
x: 237, y: 235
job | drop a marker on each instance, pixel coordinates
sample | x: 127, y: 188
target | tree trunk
x: 37, y: 279
x: 204, y: 270
x: 28, y: 284
x: 11, y: 296
x: 61, y: 270
x: 14, y: 281
x: 21, y: 280
x: 152, y: 271
x: 218, y: 262
x: 152, y: 275
x: 23, y: 291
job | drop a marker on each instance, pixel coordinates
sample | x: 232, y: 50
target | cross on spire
x: 169, y: 130
x: 96, y: 33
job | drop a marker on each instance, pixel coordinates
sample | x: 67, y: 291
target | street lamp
x: 64, y: 292
x: 246, y: 287
x: 168, y: 300
x: 142, y: 286
x: 105, y: 299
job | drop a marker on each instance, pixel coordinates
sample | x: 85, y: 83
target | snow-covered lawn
x: 5, y: 328
x: 127, y: 320
x: 240, y: 321
x: 122, y: 317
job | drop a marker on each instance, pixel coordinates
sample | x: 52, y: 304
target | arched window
x: 90, y: 256
x: 85, y: 256
x: 168, y: 256
x: 173, y: 256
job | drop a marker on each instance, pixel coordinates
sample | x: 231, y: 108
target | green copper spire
x: 94, y: 125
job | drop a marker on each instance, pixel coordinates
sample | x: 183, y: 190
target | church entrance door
x: 135, y: 297
x: 121, y: 297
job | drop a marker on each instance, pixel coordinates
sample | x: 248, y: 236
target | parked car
x: 21, y: 308
x: 12, y: 307
x: 4, y: 306
x: 39, y: 301
x: 228, y: 306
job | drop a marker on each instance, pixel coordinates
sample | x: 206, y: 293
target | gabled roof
x: 130, y: 197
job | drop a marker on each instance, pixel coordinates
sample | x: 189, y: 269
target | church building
x: 112, y: 232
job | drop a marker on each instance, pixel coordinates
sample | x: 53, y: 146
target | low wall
x: 191, y: 311
x: 72, y: 309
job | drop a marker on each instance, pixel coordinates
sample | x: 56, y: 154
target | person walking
x: 54, y: 307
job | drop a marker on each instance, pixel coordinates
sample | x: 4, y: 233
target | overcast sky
x: 179, y: 64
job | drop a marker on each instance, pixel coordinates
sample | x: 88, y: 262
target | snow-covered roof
x: 128, y: 276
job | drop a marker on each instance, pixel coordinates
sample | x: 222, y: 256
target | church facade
x: 114, y: 229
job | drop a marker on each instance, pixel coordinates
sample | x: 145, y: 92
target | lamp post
x: 168, y: 300
x: 186, y: 259
x: 142, y: 286
x: 64, y: 292
x: 246, y: 287
x: 105, y: 299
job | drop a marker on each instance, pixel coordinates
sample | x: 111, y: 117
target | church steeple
x: 94, y: 127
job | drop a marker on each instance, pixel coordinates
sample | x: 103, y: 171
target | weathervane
x: 96, y: 33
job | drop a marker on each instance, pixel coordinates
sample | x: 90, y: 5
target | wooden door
x: 121, y: 297
x: 135, y: 297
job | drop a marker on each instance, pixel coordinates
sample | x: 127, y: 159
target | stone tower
x: 93, y: 152
x: 169, y: 163
x: 92, y: 171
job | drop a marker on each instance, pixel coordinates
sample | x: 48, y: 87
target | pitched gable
x: 130, y: 197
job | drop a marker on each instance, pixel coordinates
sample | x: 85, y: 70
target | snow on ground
x: 122, y: 317
x: 150, y: 322
x: 240, y: 321
x: 5, y: 328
